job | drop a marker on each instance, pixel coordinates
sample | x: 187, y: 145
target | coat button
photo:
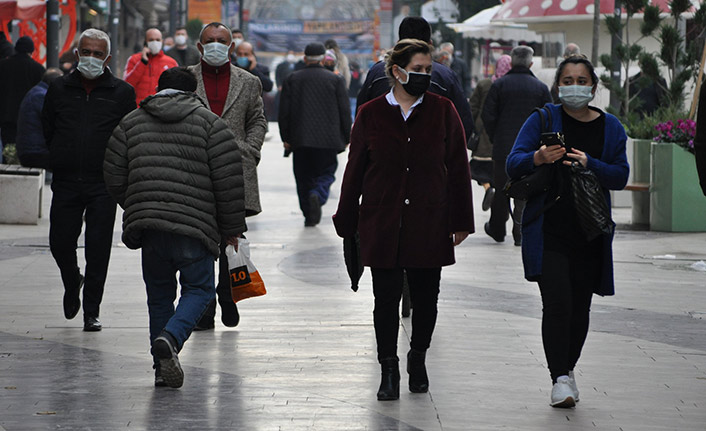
x: 409, y: 139
x: 407, y: 169
x: 406, y: 201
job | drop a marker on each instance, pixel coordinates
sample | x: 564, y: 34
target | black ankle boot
x: 418, y: 379
x: 390, y: 383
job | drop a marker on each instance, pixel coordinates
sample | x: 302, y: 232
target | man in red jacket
x: 144, y: 68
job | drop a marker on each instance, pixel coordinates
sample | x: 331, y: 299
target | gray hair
x: 94, y: 33
x: 571, y: 49
x: 521, y: 56
x: 447, y: 46
x: 314, y: 58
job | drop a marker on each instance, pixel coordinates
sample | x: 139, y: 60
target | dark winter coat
x: 31, y: 147
x: 611, y: 169
x: 174, y: 166
x: 188, y: 56
x: 415, y: 183
x: 510, y: 101
x: 444, y: 82
x: 314, y: 110
x: 485, y: 147
x: 18, y: 74
x: 77, y: 125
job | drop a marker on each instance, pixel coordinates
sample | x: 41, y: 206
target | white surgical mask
x: 237, y: 41
x: 291, y: 58
x: 90, y: 67
x: 215, y: 54
x: 575, y: 96
x: 180, y: 39
x: 155, y: 46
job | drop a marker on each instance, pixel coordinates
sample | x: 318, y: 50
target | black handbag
x: 589, y: 203
x: 541, y: 179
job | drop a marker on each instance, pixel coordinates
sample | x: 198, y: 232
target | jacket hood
x: 171, y: 108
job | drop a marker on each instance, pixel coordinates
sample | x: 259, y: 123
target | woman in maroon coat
x: 408, y: 160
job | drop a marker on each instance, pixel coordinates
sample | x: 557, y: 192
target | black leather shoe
x: 229, y: 311
x: 490, y: 234
x: 72, y: 300
x: 488, y: 198
x: 418, y: 379
x: 92, y: 324
x: 390, y: 382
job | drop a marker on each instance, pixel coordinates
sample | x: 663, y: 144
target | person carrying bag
x: 567, y: 246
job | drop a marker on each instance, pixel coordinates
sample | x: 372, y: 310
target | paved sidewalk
x: 303, y: 356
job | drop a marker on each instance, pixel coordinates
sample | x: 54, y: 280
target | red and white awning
x: 22, y: 9
x: 559, y: 10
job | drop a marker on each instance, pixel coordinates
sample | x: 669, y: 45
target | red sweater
x: 144, y: 77
x: 216, y: 81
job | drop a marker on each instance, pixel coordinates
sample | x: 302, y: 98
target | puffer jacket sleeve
x: 224, y: 161
x: 115, y: 165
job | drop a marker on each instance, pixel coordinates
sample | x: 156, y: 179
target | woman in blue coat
x: 555, y: 252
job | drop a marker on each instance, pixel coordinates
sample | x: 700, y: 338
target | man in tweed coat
x: 175, y: 168
x: 314, y: 123
x: 235, y: 95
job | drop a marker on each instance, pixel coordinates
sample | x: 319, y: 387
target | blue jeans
x: 163, y: 254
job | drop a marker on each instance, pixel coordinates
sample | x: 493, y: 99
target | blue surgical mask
x: 575, y: 96
x: 243, y: 62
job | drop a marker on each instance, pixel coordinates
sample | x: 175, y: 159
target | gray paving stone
x: 303, y: 356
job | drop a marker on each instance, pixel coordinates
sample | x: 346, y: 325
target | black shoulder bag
x: 541, y: 178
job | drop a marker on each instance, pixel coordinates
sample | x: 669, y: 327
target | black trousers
x: 314, y: 170
x: 500, y: 209
x: 567, y: 283
x: 72, y: 201
x: 222, y: 285
x: 424, y: 292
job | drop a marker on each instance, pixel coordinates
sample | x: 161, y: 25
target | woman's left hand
x: 458, y: 237
x: 577, y: 156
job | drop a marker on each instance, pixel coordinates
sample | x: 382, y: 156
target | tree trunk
x: 596, y: 30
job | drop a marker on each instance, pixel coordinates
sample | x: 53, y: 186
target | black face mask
x: 330, y: 67
x: 417, y: 83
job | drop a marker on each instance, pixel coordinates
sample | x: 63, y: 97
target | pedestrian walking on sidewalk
x: 556, y: 253
x: 408, y: 160
x: 510, y: 101
x: 175, y: 168
x: 315, y: 124
x: 80, y: 111
x: 143, y: 68
x: 481, y: 160
x: 235, y: 95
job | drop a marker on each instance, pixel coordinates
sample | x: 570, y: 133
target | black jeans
x: 424, y: 292
x: 567, y: 283
x: 71, y: 200
x: 314, y: 170
x: 500, y: 209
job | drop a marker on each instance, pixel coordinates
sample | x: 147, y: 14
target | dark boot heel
x: 418, y: 379
x: 390, y: 383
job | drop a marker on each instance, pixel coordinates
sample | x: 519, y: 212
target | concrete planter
x: 640, y: 169
x: 676, y: 201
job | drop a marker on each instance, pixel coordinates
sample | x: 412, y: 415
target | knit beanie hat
x: 25, y: 45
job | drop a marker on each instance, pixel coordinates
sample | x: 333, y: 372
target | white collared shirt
x: 392, y: 101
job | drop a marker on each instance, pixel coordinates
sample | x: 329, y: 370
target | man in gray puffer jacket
x: 175, y: 168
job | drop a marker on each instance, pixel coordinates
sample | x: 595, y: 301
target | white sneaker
x: 562, y: 394
x: 572, y: 383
